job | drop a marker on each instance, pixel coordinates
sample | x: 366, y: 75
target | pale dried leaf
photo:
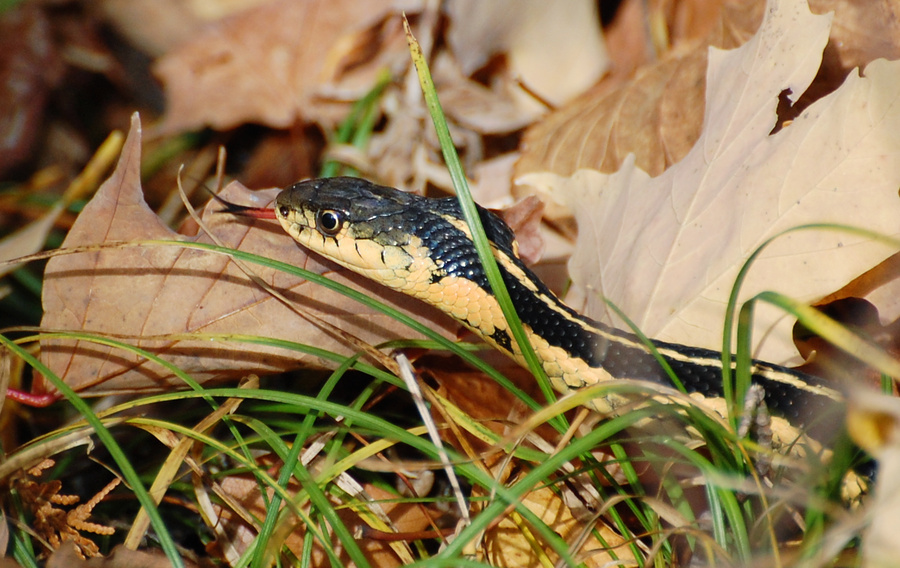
x: 509, y: 544
x: 158, y: 290
x: 120, y: 557
x: 153, y: 26
x: 666, y: 250
x: 556, y: 52
x: 475, y: 106
x: 874, y: 423
x: 657, y: 114
x: 29, y: 239
x: 234, y: 532
x: 863, y: 30
x: 268, y: 64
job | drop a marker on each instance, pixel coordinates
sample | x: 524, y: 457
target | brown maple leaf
x: 149, y: 292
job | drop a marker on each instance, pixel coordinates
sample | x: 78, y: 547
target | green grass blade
x: 293, y: 468
x: 473, y: 219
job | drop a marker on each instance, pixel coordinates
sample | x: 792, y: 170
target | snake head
x: 368, y: 228
x: 344, y: 207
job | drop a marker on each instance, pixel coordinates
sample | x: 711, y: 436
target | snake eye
x: 284, y: 210
x: 329, y: 221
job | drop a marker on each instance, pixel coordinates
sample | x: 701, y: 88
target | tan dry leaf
x: 555, y: 51
x: 153, y: 26
x: 644, y: 31
x: 863, y: 30
x: 524, y: 218
x: 120, y: 557
x: 29, y: 239
x: 233, y: 532
x: 874, y: 423
x: 656, y: 115
x: 507, y: 544
x: 491, y: 404
x: 476, y: 107
x: 269, y: 63
x: 157, y: 290
x: 666, y: 250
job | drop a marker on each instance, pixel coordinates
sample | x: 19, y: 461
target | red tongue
x: 257, y: 212
x: 243, y: 211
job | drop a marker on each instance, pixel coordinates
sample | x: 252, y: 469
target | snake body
x: 423, y: 247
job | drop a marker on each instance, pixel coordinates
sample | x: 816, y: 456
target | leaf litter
x: 233, y: 72
x: 152, y: 291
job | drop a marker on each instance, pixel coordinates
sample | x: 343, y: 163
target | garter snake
x: 422, y: 247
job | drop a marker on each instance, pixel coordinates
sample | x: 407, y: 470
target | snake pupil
x: 329, y: 221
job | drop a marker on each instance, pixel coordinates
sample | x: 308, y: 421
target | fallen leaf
x: 874, y: 423
x: 29, y: 68
x: 268, y: 63
x: 153, y: 26
x: 485, y: 401
x: 667, y: 250
x: 556, y: 53
x: 66, y: 556
x: 235, y: 534
x: 657, y: 114
x: 880, y: 285
x: 475, y: 106
x: 524, y: 218
x: 153, y: 291
x: 508, y: 543
x: 862, y: 31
